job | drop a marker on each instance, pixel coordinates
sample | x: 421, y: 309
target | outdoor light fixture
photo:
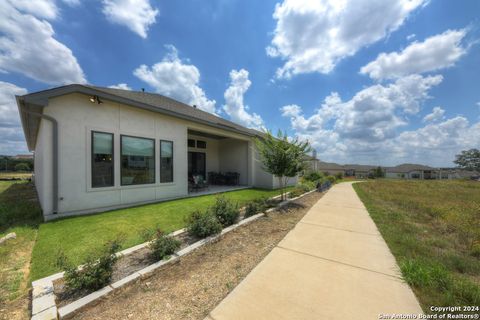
x: 95, y: 99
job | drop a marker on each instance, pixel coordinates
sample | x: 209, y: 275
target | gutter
x: 54, y: 155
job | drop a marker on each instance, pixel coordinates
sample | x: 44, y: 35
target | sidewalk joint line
x: 346, y: 264
x: 348, y: 230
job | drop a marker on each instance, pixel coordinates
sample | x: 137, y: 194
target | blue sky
x: 380, y: 82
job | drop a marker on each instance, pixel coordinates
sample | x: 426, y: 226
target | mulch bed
x: 193, y: 285
x: 125, y: 266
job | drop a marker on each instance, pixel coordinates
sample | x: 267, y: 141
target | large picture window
x: 166, y: 161
x: 102, y: 159
x: 138, y: 160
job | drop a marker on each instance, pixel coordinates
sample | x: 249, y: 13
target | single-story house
x: 99, y: 148
x: 411, y: 171
x: 359, y: 170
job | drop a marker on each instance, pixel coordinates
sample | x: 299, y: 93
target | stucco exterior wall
x: 44, y: 165
x: 234, y: 158
x: 77, y: 117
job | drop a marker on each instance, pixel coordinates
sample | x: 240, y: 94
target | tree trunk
x: 281, y: 188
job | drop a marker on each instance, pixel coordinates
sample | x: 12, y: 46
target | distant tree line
x: 9, y: 163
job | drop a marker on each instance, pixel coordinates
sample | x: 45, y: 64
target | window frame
x: 92, y: 153
x: 202, y: 142
x: 188, y: 143
x: 160, y: 161
x: 154, y: 162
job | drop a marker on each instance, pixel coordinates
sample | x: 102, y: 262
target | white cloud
x: 314, y: 35
x: 234, y: 106
x: 176, y: 79
x: 28, y: 47
x: 437, y: 52
x: 411, y: 36
x: 367, y: 128
x: 122, y: 86
x: 436, y: 115
x: 40, y: 8
x: 12, y: 140
x: 72, y: 3
x: 436, y: 143
x: 137, y: 15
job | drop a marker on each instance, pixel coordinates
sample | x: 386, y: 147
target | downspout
x: 55, y: 155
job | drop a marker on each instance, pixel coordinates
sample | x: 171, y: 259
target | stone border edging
x: 43, y: 297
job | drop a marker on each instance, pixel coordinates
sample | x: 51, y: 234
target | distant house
x: 411, y: 171
x: 99, y: 148
x: 359, y: 170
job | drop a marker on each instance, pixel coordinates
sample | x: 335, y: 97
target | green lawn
x: 78, y: 236
x: 433, y: 230
x: 19, y: 213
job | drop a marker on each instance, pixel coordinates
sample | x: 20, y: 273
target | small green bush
x: 163, y: 245
x: 96, y: 272
x: 313, y: 176
x: 331, y: 179
x: 297, y: 191
x: 203, y: 224
x: 339, y: 176
x: 225, y: 210
x: 256, y: 206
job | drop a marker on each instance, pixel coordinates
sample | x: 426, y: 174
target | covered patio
x: 217, y: 162
x: 212, y: 189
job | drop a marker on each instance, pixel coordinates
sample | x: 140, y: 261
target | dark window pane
x: 191, y: 143
x: 166, y: 161
x: 102, y: 159
x: 138, y: 160
x: 201, y: 144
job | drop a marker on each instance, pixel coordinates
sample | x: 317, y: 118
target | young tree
x: 468, y: 159
x: 282, y: 157
x: 379, y: 173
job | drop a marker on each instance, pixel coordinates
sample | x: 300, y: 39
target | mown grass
x: 77, y: 236
x: 433, y: 230
x: 19, y: 213
x: 15, y: 175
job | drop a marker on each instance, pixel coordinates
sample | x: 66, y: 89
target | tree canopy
x: 468, y: 159
x: 282, y: 157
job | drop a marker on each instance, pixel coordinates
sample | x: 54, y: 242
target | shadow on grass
x: 19, y: 206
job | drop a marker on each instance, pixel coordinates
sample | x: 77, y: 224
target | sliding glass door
x: 196, y: 164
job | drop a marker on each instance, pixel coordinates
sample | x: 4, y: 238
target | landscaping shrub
x: 339, y: 176
x: 256, y: 206
x: 313, y: 176
x: 297, y: 191
x: 225, y: 210
x: 203, y: 224
x: 96, y: 272
x: 163, y: 245
x: 331, y: 179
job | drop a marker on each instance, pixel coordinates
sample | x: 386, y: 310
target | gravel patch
x: 191, y: 287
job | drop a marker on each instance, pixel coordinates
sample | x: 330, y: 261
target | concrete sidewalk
x: 333, y: 265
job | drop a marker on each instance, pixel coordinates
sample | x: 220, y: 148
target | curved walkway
x: 333, y: 265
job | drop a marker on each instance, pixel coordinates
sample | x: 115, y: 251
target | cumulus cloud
x: 40, y: 8
x: 368, y: 127
x: 122, y: 86
x: 176, y: 79
x: 437, y: 52
x: 28, y: 46
x: 234, y: 106
x: 314, y: 35
x: 436, y: 115
x: 137, y: 15
x: 12, y: 140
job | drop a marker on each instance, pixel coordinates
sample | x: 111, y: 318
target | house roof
x: 329, y: 166
x: 408, y: 167
x: 359, y: 167
x: 150, y: 101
